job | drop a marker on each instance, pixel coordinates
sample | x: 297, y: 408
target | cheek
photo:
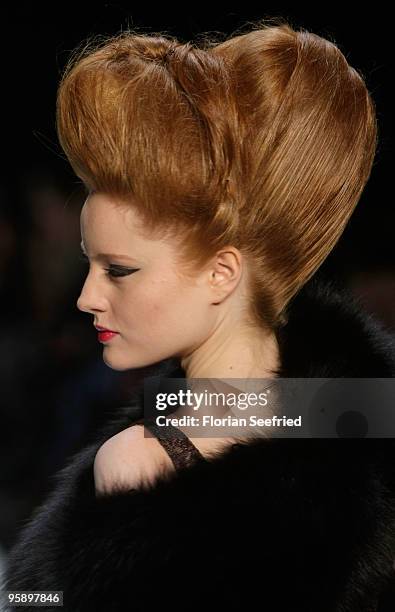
x: 166, y: 306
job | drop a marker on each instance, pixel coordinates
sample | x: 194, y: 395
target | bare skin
x: 159, y: 314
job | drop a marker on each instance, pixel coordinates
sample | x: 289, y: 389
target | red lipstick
x: 104, y: 334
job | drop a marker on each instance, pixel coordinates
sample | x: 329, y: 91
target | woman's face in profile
x: 134, y: 287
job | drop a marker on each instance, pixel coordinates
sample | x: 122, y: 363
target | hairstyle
x: 263, y: 140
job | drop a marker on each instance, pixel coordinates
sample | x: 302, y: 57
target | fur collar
x: 291, y: 524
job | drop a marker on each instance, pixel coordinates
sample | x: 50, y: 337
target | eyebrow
x: 106, y: 255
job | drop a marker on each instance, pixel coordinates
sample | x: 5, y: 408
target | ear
x: 225, y: 273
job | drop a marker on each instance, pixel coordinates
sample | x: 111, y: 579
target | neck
x: 251, y: 353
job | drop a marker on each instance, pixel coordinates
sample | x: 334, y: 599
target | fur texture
x: 277, y: 525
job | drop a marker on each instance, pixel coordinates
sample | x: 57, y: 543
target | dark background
x: 55, y: 389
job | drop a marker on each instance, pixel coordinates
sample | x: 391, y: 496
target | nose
x: 89, y: 299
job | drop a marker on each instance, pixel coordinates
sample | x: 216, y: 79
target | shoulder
x: 133, y: 459
x: 129, y: 459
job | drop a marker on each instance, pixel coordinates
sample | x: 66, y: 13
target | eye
x: 114, y: 270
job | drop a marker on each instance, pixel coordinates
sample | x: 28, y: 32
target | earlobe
x: 225, y: 274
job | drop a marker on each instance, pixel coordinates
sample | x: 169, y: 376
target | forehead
x: 105, y: 224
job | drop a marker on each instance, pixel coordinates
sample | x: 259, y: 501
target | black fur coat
x: 279, y: 525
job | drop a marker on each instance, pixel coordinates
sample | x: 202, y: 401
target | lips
x: 105, y: 329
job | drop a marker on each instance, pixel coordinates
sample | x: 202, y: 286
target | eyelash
x: 113, y: 271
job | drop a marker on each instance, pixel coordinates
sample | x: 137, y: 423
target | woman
x: 219, y: 178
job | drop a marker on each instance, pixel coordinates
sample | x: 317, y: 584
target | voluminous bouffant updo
x: 263, y: 140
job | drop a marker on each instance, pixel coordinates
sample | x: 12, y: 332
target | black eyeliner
x: 114, y: 270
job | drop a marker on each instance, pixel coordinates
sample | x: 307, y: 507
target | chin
x: 116, y: 363
x: 122, y: 364
x: 115, y: 366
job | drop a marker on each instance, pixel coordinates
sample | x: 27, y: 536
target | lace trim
x: 179, y: 447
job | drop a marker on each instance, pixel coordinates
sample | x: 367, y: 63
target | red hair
x: 263, y: 141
